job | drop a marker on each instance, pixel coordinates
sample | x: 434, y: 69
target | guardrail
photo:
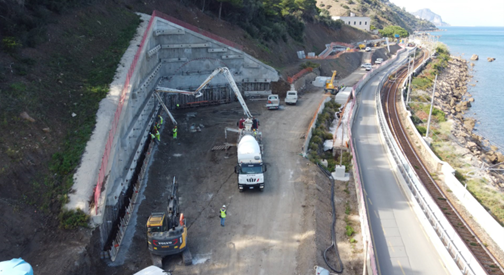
x: 448, y: 241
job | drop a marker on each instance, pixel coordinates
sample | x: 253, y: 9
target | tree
x: 234, y: 3
x: 391, y: 31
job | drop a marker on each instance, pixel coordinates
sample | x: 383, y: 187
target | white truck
x: 250, y: 167
x: 292, y: 96
x: 273, y: 102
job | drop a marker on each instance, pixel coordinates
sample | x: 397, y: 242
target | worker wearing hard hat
x: 175, y: 132
x: 222, y: 215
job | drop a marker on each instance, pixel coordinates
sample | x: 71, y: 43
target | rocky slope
x: 430, y: 16
x: 382, y: 13
x: 452, y: 97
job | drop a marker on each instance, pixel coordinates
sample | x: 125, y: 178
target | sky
x: 460, y: 12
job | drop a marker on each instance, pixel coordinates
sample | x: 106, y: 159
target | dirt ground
x: 278, y: 231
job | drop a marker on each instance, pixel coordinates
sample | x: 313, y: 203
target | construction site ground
x: 282, y: 230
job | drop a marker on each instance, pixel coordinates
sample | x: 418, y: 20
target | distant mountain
x: 430, y: 16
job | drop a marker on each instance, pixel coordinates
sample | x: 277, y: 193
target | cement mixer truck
x: 250, y: 167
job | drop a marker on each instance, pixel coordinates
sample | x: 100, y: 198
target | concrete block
x: 171, y: 60
x: 339, y: 173
x: 186, y: 46
x: 217, y: 50
x: 153, y: 51
x: 159, y: 32
x: 232, y: 56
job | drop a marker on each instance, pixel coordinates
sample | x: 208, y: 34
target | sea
x: 487, y: 83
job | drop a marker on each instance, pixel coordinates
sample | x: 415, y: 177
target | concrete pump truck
x: 250, y: 166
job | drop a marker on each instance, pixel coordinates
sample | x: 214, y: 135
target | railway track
x: 391, y: 97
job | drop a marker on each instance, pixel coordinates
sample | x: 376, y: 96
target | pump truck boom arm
x: 198, y: 93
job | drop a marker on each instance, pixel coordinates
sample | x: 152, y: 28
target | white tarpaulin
x: 343, y: 95
x: 15, y: 267
x: 320, y: 81
x: 341, y: 134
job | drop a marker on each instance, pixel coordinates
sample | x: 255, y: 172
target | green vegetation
x: 385, y: 13
x: 76, y: 78
x: 392, y: 31
x: 349, y: 230
x: 71, y: 219
x: 426, y: 79
x: 316, y: 153
x: 309, y: 64
x: 270, y: 20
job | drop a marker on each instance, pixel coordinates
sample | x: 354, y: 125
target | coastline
x: 464, y: 150
x: 453, y: 98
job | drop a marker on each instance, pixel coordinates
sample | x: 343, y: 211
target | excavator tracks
x: 391, y: 100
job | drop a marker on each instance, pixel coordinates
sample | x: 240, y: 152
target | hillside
x: 56, y: 63
x: 430, y: 16
x: 382, y: 13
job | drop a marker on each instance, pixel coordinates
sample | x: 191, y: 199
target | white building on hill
x: 362, y: 23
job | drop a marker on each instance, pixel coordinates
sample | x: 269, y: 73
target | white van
x: 291, y: 97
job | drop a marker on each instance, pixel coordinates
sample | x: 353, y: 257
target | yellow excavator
x: 329, y: 86
x: 167, y: 232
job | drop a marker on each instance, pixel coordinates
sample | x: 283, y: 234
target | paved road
x: 400, y: 242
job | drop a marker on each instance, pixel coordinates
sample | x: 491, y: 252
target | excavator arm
x: 330, y: 84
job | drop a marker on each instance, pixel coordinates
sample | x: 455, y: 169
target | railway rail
x: 391, y: 98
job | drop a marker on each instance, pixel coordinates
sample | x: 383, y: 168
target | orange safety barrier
x: 293, y: 78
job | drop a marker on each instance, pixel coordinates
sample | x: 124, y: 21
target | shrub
x: 416, y: 120
x: 316, y: 140
x: 460, y: 176
x: 309, y: 64
x: 421, y: 83
x: 345, y: 7
x: 71, y: 219
x: 327, y: 136
x: 349, y: 230
x: 351, y: 2
x: 318, y: 132
x: 10, y: 44
x: 422, y: 130
x: 314, y: 146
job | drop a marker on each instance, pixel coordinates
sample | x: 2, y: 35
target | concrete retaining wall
x: 171, y: 55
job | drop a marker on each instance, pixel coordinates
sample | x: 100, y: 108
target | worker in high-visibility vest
x: 175, y: 132
x: 222, y: 215
x: 153, y: 136
x: 160, y: 120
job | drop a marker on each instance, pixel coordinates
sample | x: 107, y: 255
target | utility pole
x: 411, y: 76
x: 430, y: 112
